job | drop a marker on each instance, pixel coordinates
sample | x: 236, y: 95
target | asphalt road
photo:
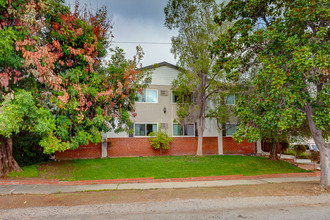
x: 273, y: 207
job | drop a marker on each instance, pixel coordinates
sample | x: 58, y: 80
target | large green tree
x: 283, y: 47
x: 197, y: 85
x: 54, y: 81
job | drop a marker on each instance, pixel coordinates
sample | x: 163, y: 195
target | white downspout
x: 259, y: 151
x: 220, y: 143
x: 104, y: 145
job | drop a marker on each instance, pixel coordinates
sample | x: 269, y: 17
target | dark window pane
x: 142, y: 97
x: 231, y: 99
x: 177, y: 130
x: 230, y: 129
x: 174, y: 98
x: 189, y: 130
x: 151, y: 128
x: 140, y: 130
x: 152, y: 96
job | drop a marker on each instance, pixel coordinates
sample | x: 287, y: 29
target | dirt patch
x: 54, y: 170
x: 124, y: 196
x: 49, y: 170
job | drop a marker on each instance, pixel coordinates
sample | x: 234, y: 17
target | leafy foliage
x: 284, y: 146
x: 26, y: 149
x: 299, y: 149
x: 161, y: 141
x: 282, y: 46
x: 315, y: 156
x: 21, y: 113
x: 197, y: 86
x: 53, y: 81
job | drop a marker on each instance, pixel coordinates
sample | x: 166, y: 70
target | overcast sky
x: 138, y: 21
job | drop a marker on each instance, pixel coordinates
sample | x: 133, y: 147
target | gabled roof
x: 159, y: 65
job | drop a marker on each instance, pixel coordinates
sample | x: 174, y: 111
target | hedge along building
x: 156, y: 109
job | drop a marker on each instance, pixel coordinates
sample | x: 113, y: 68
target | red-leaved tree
x: 54, y: 81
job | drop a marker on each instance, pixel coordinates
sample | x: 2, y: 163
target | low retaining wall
x: 88, y: 151
x: 135, y: 147
x: 232, y: 147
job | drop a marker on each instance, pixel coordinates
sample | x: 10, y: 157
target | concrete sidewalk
x: 48, y: 189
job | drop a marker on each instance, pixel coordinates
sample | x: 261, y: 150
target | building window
x: 149, y: 96
x: 144, y: 129
x: 230, y: 130
x: 231, y: 98
x: 174, y: 98
x: 185, y: 130
x: 177, y: 130
x: 186, y: 98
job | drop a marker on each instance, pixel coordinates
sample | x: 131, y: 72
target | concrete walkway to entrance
x: 8, y: 187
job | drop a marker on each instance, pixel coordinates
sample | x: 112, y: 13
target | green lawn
x: 157, y: 167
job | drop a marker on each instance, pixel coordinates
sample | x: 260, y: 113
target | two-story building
x: 156, y: 109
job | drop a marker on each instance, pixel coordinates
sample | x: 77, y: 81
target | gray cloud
x: 138, y: 21
x: 132, y: 9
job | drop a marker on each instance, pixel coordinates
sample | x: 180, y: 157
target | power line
x: 131, y: 42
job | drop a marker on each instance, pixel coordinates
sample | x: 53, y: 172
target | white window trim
x: 183, y: 131
x: 174, y: 103
x: 226, y: 129
x: 234, y: 99
x: 145, y: 123
x: 146, y: 98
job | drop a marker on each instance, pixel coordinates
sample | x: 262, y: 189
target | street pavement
x: 48, y: 189
x: 270, y: 208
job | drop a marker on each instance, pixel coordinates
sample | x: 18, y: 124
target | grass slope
x: 157, y: 167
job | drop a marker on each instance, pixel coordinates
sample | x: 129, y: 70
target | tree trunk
x: 7, y: 161
x: 273, y: 151
x: 325, y: 167
x: 200, y: 130
x: 322, y: 146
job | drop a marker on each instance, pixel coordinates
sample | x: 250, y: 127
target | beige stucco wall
x: 164, y: 75
x: 162, y: 78
x: 154, y: 112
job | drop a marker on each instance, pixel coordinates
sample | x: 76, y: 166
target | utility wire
x: 131, y: 42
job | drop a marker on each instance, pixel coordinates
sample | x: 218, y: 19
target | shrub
x: 302, y: 156
x: 315, y: 156
x: 161, y: 141
x: 290, y: 152
x: 284, y: 146
x: 299, y: 149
